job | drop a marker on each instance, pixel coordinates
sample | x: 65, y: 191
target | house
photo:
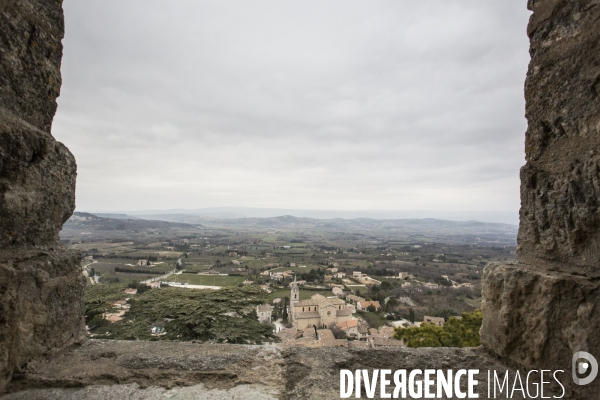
x: 265, y: 273
x: 277, y: 276
x: 350, y: 327
x: 354, y: 299
x: 350, y: 307
x: 130, y: 291
x: 328, y: 278
x: 292, y: 264
x: 299, y: 283
x: 158, y: 330
x: 439, y: 321
x: 114, y: 317
x: 363, y: 305
x: 266, y: 288
x: 363, y: 331
x: 247, y: 283
x: 143, y: 263
x: 430, y: 285
x: 357, y: 274
x: 402, y: 275
x: 236, y: 262
x: 286, y: 247
x: 264, y: 313
x: 120, y: 304
x: 153, y: 285
x: 332, y: 270
x: 337, y: 291
x: 340, y: 275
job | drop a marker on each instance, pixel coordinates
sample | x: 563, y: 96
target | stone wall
x: 542, y: 309
x: 41, y: 287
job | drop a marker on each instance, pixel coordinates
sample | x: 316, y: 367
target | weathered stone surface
x: 540, y: 311
x: 37, y: 174
x: 37, y: 184
x: 560, y: 183
x: 41, y: 287
x: 30, y: 53
x: 157, y: 364
x: 134, y: 392
x: 40, y: 305
x: 539, y: 318
x: 102, y: 369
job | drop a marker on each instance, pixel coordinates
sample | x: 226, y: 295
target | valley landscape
x: 413, y: 268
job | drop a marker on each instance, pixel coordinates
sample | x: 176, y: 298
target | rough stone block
x: 41, y: 305
x: 560, y: 184
x: 539, y: 318
x: 37, y: 184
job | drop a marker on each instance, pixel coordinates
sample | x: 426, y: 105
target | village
x: 317, y: 321
x: 352, y: 289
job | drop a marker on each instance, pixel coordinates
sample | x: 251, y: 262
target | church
x: 318, y: 311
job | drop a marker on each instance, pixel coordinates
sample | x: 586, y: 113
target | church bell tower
x: 294, y: 297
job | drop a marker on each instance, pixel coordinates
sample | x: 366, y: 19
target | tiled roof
x: 365, y: 304
x: 325, y: 334
x: 347, y: 324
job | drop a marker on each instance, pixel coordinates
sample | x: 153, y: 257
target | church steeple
x: 295, y: 296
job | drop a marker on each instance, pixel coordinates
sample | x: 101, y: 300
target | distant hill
x: 508, y: 217
x: 115, y: 216
x: 95, y: 222
x: 434, y: 229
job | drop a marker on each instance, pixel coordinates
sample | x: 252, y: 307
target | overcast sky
x: 382, y: 105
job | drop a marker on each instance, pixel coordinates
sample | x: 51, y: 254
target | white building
x: 264, y: 313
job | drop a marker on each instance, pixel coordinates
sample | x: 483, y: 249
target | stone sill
x: 101, y: 369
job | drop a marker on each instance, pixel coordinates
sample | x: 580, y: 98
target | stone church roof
x: 343, y: 313
x: 307, y: 315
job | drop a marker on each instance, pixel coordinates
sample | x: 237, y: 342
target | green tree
x: 226, y: 315
x: 463, y: 332
x: 427, y: 335
x: 391, y: 304
x: 284, y: 315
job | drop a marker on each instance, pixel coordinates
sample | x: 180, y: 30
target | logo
x: 584, y: 363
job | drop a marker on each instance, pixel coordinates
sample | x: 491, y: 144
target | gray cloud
x: 337, y: 104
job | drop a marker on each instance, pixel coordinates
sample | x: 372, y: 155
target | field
x: 297, y: 270
x: 209, y: 280
x: 432, y: 251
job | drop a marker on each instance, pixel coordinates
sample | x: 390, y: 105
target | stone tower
x: 294, y: 296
